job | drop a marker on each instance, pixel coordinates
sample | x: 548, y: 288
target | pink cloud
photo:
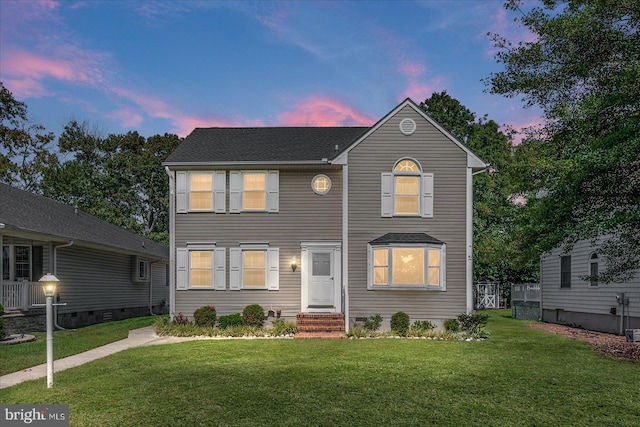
x: 501, y: 24
x: 324, y: 111
x: 419, y: 91
x: 127, y: 117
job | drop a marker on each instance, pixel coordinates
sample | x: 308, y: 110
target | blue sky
x: 168, y: 66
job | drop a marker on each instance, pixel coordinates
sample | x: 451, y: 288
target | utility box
x: 633, y: 335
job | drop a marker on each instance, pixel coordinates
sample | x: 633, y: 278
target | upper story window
x: 407, y: 191
x: 321, y: 184
x: 254, y: 191
x: 565, y: 271
x: 593, y: 269
x: 201, y: 191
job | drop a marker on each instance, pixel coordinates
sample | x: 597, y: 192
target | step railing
x: 21, y: 295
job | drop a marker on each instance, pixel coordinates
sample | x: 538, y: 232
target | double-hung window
x: 21, y: 262
x: 201, y: 191
x: 593, y: 269
x: 406, y: 191
x: 254, y: 191
x: 395, y: 262
x: 201, y: 266
x: 254, y: 266
x: 565, y: 271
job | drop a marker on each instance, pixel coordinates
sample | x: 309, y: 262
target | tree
x: 581, y: 178
x: 493, y: 209
x: 24, y: 148
x: 118, y: 178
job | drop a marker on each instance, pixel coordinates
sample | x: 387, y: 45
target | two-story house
x: 350, y: 221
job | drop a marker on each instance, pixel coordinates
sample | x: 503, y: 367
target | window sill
x: 407, y: 288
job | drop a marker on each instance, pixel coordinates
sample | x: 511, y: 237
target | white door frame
x: 305, y: 271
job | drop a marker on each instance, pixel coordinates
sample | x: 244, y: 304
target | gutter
x: 172, y: 242
x: 55, y: 272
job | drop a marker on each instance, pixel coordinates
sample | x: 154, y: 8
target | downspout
x: 541, y: 317
x: 1, y: 263
x: 345, y: 243
x: 55, y: 272
x: 172, y: 241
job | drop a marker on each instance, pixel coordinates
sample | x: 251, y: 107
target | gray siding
x: 581, y: 296
x: 97, y: 280
x: 303, y: 216
x: 436, y: 154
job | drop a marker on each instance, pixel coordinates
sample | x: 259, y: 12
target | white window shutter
x: 235, y: 191
x: 273, y: 189
x: 219, y: 191
x: 181, y: 192
x: 234, y: 269
x: 182, y: 269
x: 220, y: 272
x: 273, y: 266
x: 427, y: 195
x: 386, y: 195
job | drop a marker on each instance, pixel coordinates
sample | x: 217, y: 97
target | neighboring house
x: 351, y: 221
x: 570, y: 297
x: 105, y: 272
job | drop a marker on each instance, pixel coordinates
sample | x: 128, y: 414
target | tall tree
x: 493, y: 209
x: 25, y: 149
x: 118, y: 178
x: 581, y: 179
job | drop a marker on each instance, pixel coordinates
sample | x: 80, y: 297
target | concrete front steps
x: 320, y: 325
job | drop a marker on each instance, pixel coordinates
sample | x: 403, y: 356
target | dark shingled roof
x: 405, y: 238
x: 267, y: 144
x: 33, y: 213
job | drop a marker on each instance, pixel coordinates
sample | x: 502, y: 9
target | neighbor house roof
x: 409, y: 238
x: 268, y: 144
x: 28, y: 212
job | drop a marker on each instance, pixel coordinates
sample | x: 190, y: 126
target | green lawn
x: 519, y: 376
x: 67, y: 343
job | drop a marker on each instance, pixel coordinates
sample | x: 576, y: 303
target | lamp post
x: 49, y: 282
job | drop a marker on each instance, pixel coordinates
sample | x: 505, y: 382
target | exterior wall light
x: 294, y: 264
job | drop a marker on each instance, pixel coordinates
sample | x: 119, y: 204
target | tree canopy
x: 25, y: 148
x: 581, y: 176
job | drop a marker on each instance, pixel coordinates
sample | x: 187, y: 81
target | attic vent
x: 407, y: 126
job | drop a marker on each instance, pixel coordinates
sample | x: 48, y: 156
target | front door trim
x: 305, y: 268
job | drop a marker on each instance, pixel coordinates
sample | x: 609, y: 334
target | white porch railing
x: 22, y: 295
x: 525, y: 292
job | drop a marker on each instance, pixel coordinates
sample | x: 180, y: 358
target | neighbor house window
x: 406, y: 191
x: 593, y: 269
x: 565, y: 271
x: 321, y: 184
x: 141, y: 270
x: 403, y: 266
x: 254, y: 266
x: 200, y: 266
x: 21, y: 262
x: 253, y: 191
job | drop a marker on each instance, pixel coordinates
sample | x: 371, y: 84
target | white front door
x: 321, y: 279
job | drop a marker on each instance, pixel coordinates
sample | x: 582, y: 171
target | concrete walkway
x: 137, y: 338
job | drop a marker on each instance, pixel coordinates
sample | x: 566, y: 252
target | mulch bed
x: 608, y: 344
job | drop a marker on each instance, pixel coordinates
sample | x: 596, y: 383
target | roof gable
x: 24, y: 211
x: 473, y: 160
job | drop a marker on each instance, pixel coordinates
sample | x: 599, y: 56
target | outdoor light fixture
x: 49, y: 284
x: 294, y: 264
x: 49, y: 287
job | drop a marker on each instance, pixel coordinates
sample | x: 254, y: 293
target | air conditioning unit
x: 633, y: 335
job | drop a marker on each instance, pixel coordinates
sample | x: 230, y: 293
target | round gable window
x: 407, y: 126
x: 321, y: 184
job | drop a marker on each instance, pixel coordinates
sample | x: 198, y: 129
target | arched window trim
x: 410, y: 159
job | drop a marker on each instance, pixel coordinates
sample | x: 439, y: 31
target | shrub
x: 181, y: 319
x: 283, y: 327
x: 422, y: 326
x: 253, y: 315
x: 452, y: 325
x: 205, y: 316
x: 230, y: 320
x: 400, y: 323
x: 372, y: 323
x: 3, y: 331
x: 472, y: 324
x: 357, y: 332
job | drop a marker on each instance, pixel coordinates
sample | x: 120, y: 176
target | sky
x: 170, y: 66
